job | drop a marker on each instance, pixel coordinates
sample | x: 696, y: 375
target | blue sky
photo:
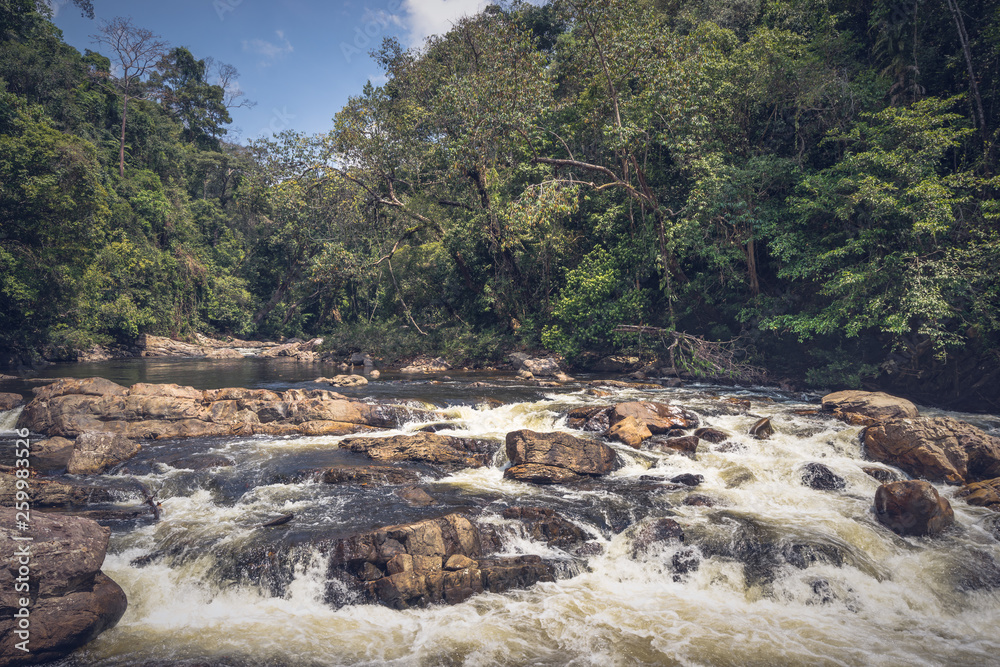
x: 298, y: 59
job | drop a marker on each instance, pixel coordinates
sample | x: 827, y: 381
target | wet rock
x: 684, y: 561
x: 590, y: 418
x: 870, y: 405
x: 658, y: 417
x: 343, y: 380
x: 414, y: 495
x: 51, y: 454
x: 819, y: 476
x: 555, y: 457
x: 72, y: 601
x: 425, y: 364
x: 699, y: 500
x: 51, y: 493
x: 93, y: 453
x: 737, y: 476
x: 713, y: 435
x: 883, y: 475
x: 762, y: 429
x: 10, y: 401
x: 975, y: 570
x: 912, y: 507
x: 545, y: 525
x: 982, y: 494
x: 687, y: 479
x: 432, y: 561
x: 436, y: 428
x: 442, y: 450
x: 685, y: 445
x: 69, y: 407
x: 537, y: 366
x: 629, y: 431
x: 656, y: 531
x: 937, y: 449
x: 375, y: 475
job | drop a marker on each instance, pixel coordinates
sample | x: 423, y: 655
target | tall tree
x: 136, y: 54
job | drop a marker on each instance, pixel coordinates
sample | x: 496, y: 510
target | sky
x: 300, y: 60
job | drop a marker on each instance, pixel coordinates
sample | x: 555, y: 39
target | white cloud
x: 435, y: 17
x: 270, y: 50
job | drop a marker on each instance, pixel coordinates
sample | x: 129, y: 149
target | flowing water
x: 785, y: 575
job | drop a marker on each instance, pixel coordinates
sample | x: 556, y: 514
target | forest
x: 814, y: 180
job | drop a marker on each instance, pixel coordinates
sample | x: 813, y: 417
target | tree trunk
x: 121, y: 143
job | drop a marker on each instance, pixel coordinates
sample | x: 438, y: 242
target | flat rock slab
x: 874, y: 405
x: 442, y: 450
x: 657, y: 417
x: 71, y: 407
x: 559, y: 450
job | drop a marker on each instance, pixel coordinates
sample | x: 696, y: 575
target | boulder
x: 883, y: 475
x: 658, y: 417
x: 414, y: 495
x: 687, y: 444
x: 443, y: 450
x: 93, y: 453
x: 713, y: 435
x: 820, y: 477
x: 426, y: 365
x: 538, y: 366
x: 590, y: 418
x: 557, y: 450
x: 70, y: 407
x: 982, y: 494
x: 344, y: 380
x: 687, y: 479
x: 940, y: 449
x: 10, y: 401
x: 870, y: 405
x: 51, y: 453
x: 629, y: 431
x: 545, y: 525
x: 72, y: 601
x: 431, y: 561
x: 912, y: 507
x: 762, y: 429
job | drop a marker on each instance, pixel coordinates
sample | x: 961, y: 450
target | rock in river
x: 72, y: 601
x: 443, y: 450
x: 912, y: 507
x: 657, y: 417
x: 555, y: 457
x: 70, y: 407
x: 940, y: 449
x: 867, y: 406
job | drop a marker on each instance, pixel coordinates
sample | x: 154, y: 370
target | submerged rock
x: 376, y: 475
x: 912, y: 507
x: 939, y: 449
x: 443, y: 450
x: 820, y: 477
x: 555, y: 457
x: 545, y: 525
x: 72, y: 601
x: 71, y: 407
x: 859, y: 407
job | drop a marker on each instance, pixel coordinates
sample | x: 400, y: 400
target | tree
x: 136, y: 53
x: 181, y: 85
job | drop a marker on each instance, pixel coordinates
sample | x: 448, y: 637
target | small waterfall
x: 8, y: 420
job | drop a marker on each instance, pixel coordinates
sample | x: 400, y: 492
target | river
x: 786, y: 575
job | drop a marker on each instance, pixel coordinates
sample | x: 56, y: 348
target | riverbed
x: 785, y: 574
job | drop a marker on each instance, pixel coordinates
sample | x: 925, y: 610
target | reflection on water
x: 787, y: 575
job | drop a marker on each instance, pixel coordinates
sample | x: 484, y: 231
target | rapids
x: 786, y: 575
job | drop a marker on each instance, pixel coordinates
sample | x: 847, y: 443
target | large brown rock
x: 630, y: 431
x: 47, y: 493
x: 72, y: 600
x: 10, y: 401
x: 913, y: 507
x: 93, y: 453
x: 561, y: 451
x: 982, y: 494
x: 443, y: 450
x: 536, y: 473
x: 657, y: 417
x: 431, y: 561
x: 70, y: 407
x: 938, y: 449
x: 871, y: 405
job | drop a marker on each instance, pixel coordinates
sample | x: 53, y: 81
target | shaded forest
x: 816, y: 179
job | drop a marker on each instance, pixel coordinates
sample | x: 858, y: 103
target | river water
x: 786, y: 575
